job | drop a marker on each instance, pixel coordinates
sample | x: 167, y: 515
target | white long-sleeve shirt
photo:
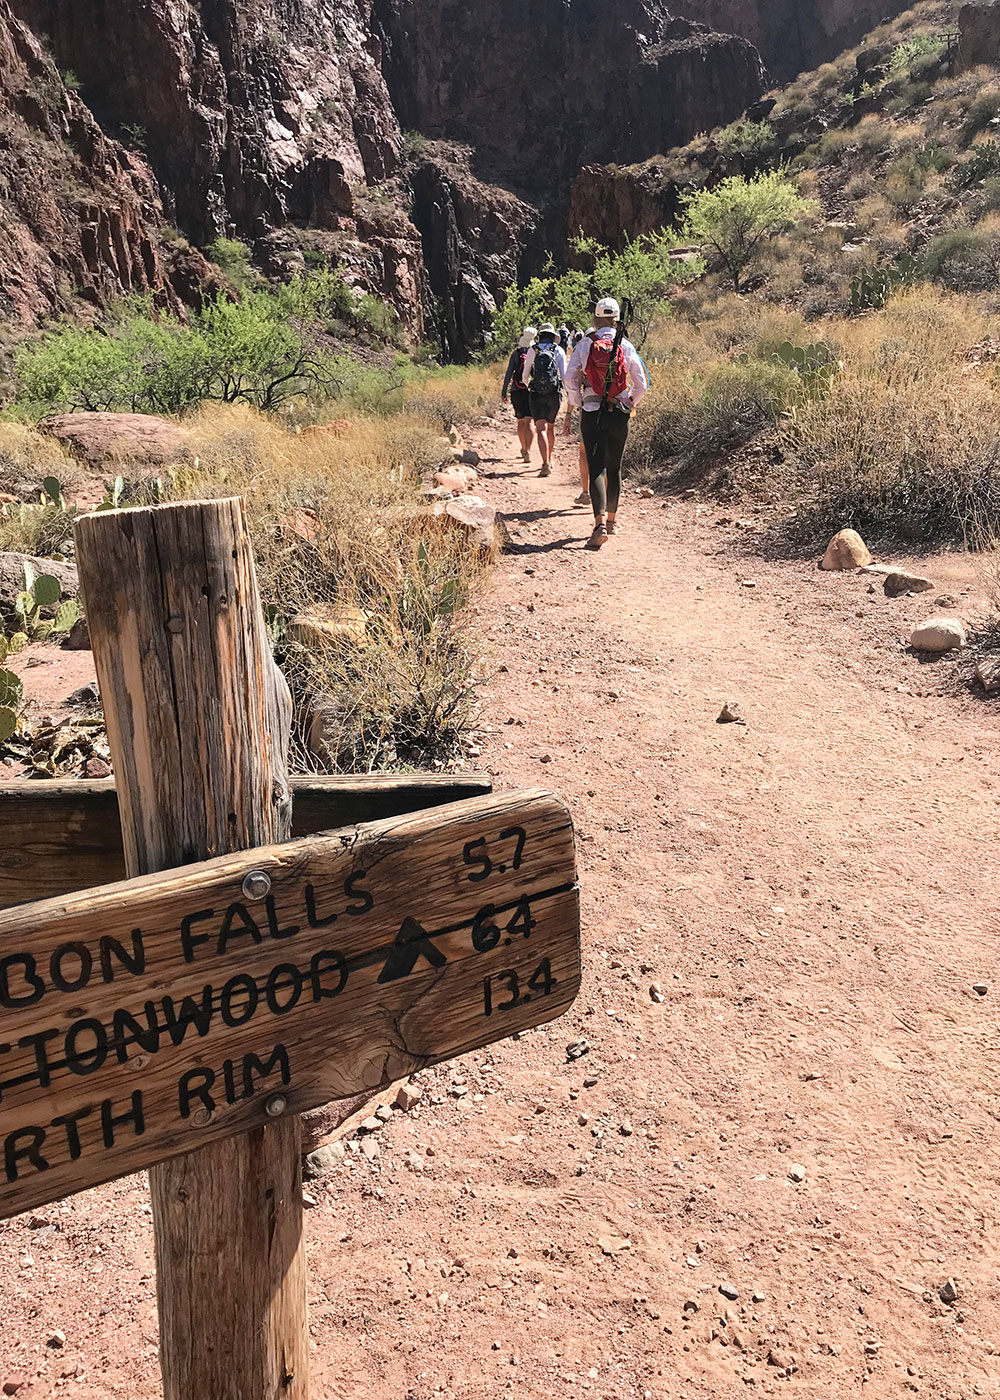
x: 579, y: 390
x: 529, y: 361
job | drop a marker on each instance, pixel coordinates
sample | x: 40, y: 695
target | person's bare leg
x: 584, y: 470
x: 546, y: 441
x: 525, y: 437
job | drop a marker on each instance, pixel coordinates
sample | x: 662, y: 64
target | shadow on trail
x: 546, y: 548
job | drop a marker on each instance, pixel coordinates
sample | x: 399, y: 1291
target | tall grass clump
x: 906, y: 441
x: 365, y: 593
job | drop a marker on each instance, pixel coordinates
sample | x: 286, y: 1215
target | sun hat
x: 608, y: 307
x: 547, y: 328
x: 527, y: 338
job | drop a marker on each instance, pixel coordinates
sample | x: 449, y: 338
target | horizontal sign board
x: 64, y: 836
x: 143, y: 1019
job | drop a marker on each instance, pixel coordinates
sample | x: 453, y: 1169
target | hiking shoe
x: 583, y: 499
x: 525, y: 454
x: 612, y: 527
x: 546, y: 469
x: 598, y: 539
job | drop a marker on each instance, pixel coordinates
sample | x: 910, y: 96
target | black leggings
x: 605, y: 433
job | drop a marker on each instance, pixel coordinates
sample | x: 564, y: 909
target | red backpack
x: 598, y: 362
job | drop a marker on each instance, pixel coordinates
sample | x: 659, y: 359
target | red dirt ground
x: 814, y: 892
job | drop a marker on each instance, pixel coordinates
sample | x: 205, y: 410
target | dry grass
x: 338, y: 533
x: 903, y: 440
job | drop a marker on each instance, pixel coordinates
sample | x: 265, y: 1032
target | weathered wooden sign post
x: 183, y: 1020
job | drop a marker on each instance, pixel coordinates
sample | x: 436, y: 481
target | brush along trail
x: 760, y: 1156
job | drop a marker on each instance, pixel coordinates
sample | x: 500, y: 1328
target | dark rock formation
x: 474, y: 238
x: 279, y: 122
x: 76, y: 210
x: 793, y: 35
x: 616, y: 203
x: 979, y: 33
x: 540, y: 90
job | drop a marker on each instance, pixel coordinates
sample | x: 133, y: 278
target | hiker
x: 515, y: 382
x: 606, y: 380
x: 545, y: 374
x: 564, y: 336
x: 584, y: 497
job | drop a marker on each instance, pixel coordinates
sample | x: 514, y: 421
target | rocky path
x: 781, y: 1146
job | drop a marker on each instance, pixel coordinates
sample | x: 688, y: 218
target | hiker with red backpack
x: 515, y: 382
x: 606, y: 380
x: 545, y: 374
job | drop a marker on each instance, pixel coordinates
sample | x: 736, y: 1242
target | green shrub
x: 233, y: 257
x: 735, y: 217
x: 754, y: 142
x: 964, y: 259
x: 982, y: 164
x: 905, y: 181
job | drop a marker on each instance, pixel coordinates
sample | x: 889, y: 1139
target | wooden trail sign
x: 146, y: 1018
x: 64, y: 836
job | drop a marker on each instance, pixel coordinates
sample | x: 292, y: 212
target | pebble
x: 980, y: 988
x: 758, y: 1295
x: 371, y: 1125
x: 796, y: 1172
x: 729, y: 1291
x: 56, y: 1339
x: 656, y: 992
x: 384, y: 1113
x: 324, y: 1160
x: 948, y: 1293
x: 690, y: 1305
x: 626, y: 1129
x: 590, y: 1082
x: 370, y: 1148
x: 13, y: 1384
x: 577, y: 1048
x: 731, y: 714
x: 545, y: 758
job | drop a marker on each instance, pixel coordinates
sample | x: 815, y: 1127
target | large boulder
x: 136, y: 438
x: 474, y: 516
x: 12, y: 579
x: 939, y: 634
x: 847, y: 550
x: 979, y: 34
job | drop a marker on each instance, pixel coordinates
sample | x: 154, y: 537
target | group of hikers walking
x: 603, y: 379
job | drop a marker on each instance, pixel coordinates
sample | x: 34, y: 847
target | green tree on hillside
x: 643, y: 275
x: 737, y: 216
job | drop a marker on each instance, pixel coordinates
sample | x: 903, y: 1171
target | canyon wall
x: 794, y: 35
x: 281, y: 122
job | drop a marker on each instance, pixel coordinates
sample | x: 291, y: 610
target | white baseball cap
x: 608, y: 307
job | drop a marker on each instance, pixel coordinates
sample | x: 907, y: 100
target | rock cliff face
x: 75, y: 209
x: 540, y: 90
x: 793, y: 35
x: 279, y: 122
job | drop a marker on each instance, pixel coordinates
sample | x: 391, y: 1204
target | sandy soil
x: 812, y: 894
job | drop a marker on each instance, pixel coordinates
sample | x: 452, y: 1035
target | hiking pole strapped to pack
x: 619, y: 337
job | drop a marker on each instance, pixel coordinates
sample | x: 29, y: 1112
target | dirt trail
x: 814, y: 893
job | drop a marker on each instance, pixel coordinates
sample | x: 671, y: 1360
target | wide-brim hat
x: 547, y: 328
x: 527, y: 338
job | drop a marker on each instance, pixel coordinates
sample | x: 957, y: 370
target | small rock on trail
x: 939, y: 634
x: 731, y: 714
x: 899, y: 582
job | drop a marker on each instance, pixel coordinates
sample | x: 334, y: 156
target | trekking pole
x: 609, y: 375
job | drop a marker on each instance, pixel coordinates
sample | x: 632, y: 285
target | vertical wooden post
x: 198, y: 721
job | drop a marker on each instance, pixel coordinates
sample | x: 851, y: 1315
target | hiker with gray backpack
x: 545, y: 373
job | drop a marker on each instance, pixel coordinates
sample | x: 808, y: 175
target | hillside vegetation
x: 856, y: 377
